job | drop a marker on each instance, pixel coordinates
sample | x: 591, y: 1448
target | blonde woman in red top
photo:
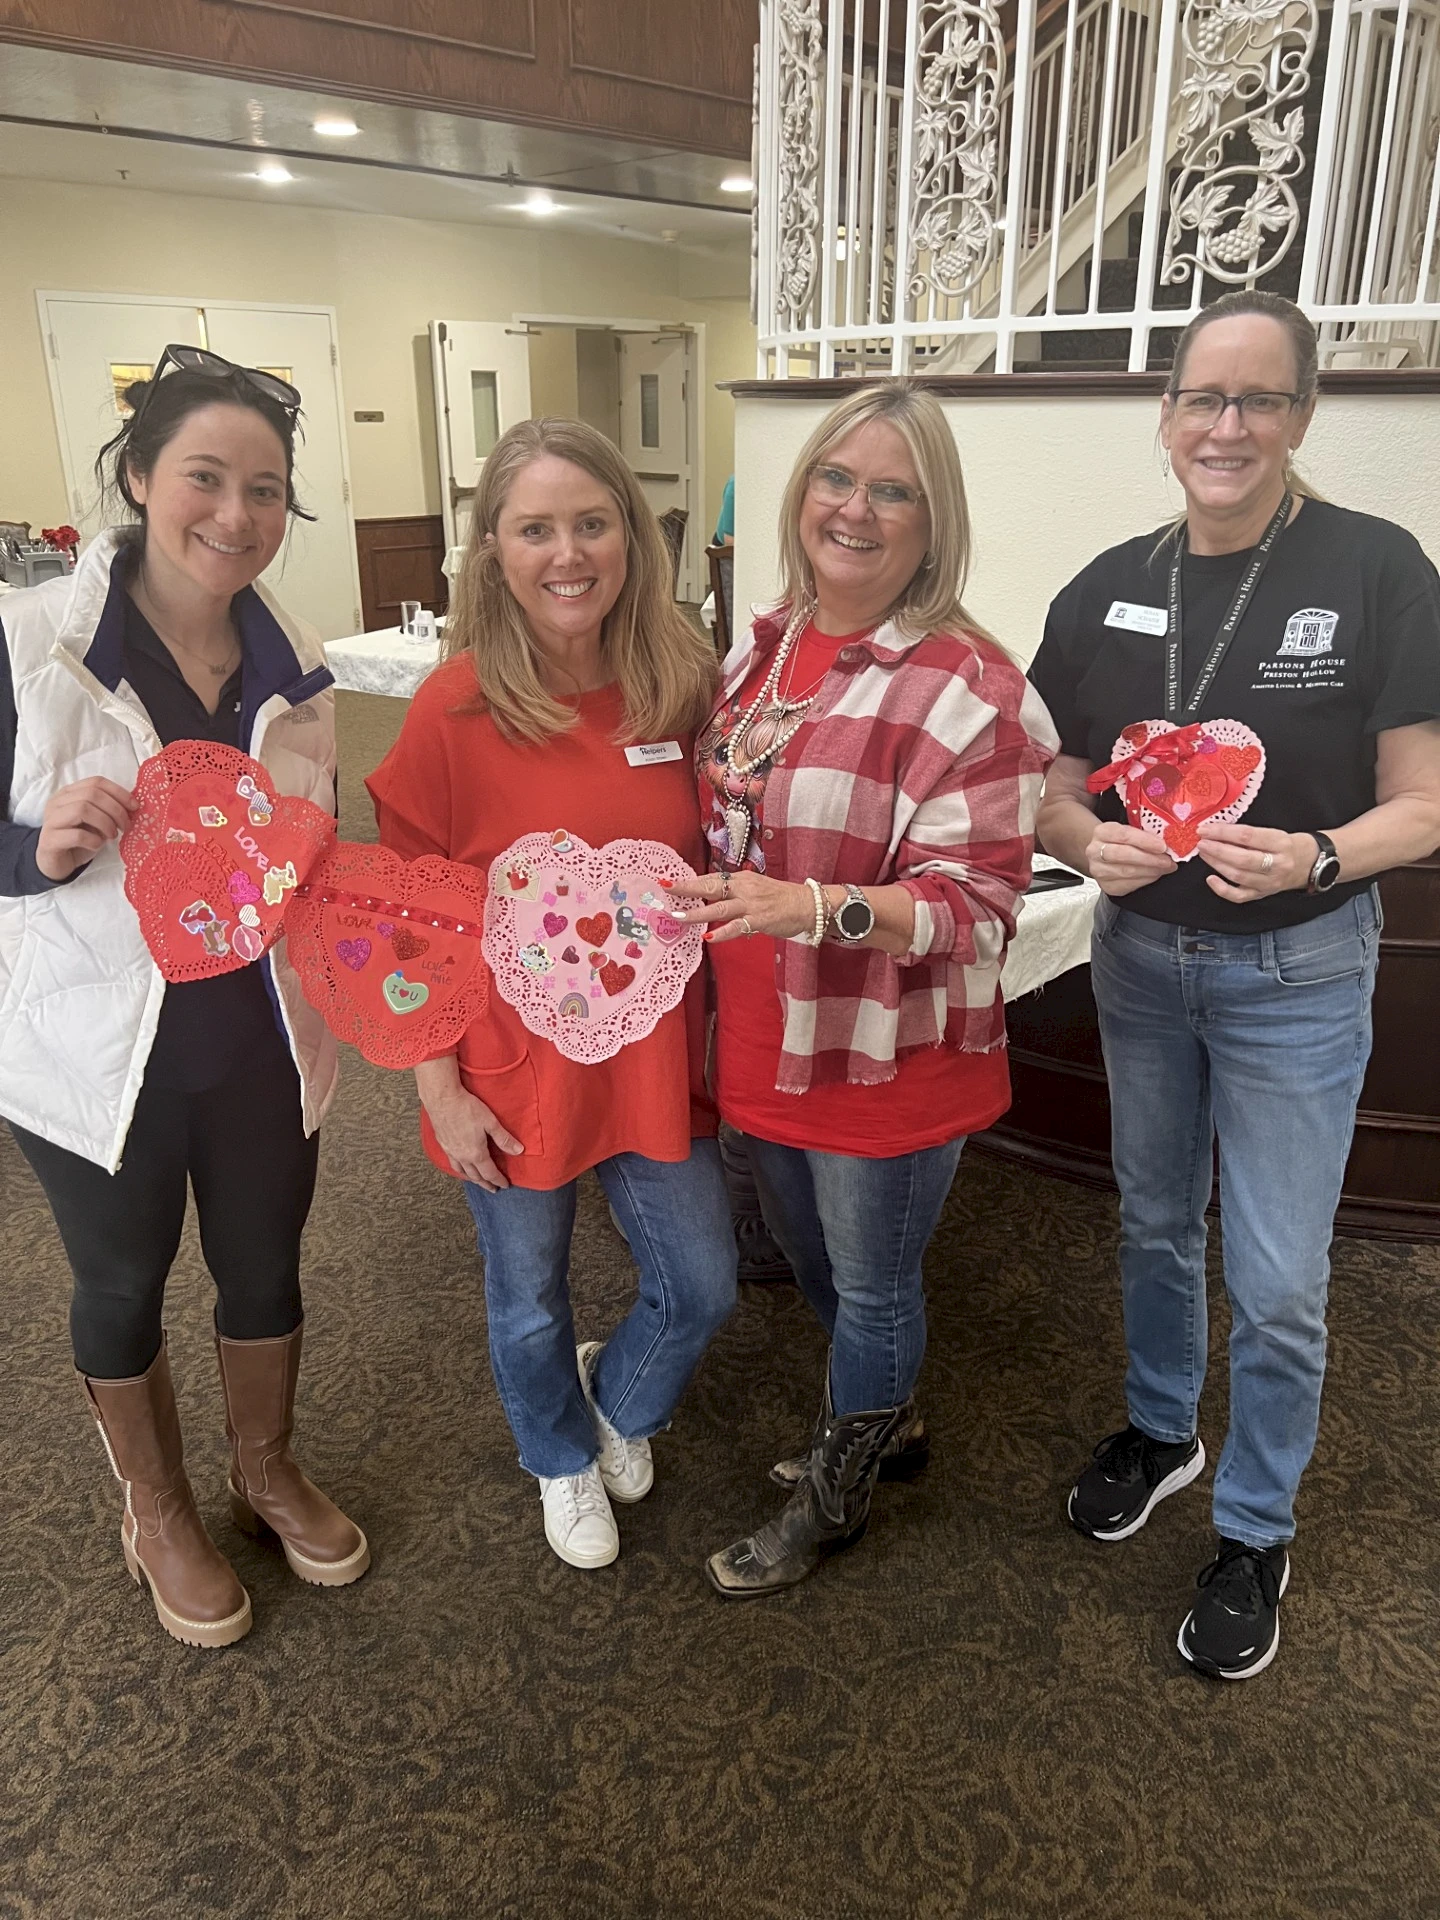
x: 564, y: 646
x: 870, y: 776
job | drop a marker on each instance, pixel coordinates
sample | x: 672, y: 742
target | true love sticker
x: 1174, y: 779
x: 213, y: 855
x: 581, y: 940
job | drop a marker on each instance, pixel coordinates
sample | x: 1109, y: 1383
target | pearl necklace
x: 739, y: 820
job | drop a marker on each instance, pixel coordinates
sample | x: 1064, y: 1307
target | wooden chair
x: 722, y: 585
x: 672, y: 525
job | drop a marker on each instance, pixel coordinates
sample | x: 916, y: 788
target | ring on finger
x: 724, y: 886
x: 1102, y: 850
x: 1267, y: 863
x: 743, y: 922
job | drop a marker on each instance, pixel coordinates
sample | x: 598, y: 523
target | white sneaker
x: 625, y: 1465
x: 578, y: 1522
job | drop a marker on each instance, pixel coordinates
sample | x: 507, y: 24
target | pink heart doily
x: 561, y: 920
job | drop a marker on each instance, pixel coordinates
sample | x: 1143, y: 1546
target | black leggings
x: 242, y: 1147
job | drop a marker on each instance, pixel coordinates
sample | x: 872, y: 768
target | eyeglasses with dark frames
x: 833, y: 486
x: 1207, y: 406
x: 185, y: 359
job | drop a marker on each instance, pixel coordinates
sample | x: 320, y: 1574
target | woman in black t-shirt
x: 1247, y: 705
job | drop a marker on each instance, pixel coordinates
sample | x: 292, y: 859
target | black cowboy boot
x: 907, y: 1452
x: 829, y: 1509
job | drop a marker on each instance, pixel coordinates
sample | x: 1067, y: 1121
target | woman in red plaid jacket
x: 870, y: 778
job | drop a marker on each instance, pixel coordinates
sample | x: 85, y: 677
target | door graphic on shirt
x: 1311, y: 630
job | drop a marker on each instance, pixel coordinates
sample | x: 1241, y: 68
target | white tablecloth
x: 1051, y: 936
x: 387, y: 661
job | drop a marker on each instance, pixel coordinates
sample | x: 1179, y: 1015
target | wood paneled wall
x: 1059, y: 1121
x: 400, y: 560
x: 675, y: 71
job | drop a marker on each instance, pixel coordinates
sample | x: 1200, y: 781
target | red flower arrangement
x: 65, y: 538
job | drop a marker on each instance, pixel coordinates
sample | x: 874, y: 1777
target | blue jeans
x: 855, y: 1231
x: 1259, y: 1040
x: 676, y: 1216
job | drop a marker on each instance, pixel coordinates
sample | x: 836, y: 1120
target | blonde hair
x: 665, y: 668
x: 930, y: 602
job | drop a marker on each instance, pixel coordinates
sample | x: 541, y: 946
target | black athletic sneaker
x: 1128, y: 1476
x: 1233, y: 1630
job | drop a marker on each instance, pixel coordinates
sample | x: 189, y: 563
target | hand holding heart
x: 78, y: 821
x: 1237, y: 855
x: 1122, y: 859
x: 750, y: 903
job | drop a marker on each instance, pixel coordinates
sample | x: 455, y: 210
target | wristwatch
x: 1326, y: 870
x: 855, y: 919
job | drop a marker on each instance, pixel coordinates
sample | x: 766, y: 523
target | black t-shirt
x: 1340, y: 642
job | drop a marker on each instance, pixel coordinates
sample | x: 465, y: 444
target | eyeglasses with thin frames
x: 1207, y: 407
x: 833, y: 486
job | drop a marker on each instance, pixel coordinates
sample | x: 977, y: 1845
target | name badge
x: 1124, y: 613
x: 654, y: 754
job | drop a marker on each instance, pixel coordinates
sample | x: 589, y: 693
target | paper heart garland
x: 1174, y: 779
x: 399, y: 995
x: 212, y: 856
x: 589, y: 1006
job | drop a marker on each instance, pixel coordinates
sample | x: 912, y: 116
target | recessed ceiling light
x: 737, y: 183
x: 540, y: 204
x: 273, y: 174
x: 335, y: 126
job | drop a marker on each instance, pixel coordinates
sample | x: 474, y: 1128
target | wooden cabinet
x: 670, y: 71
x: 400, y: 560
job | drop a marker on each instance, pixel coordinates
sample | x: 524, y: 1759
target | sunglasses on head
x: 200, y: 360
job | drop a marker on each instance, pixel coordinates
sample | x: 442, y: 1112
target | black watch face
x: 1327, y: 872
x: 855, y: 919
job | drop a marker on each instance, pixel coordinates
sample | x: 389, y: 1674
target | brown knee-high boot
x: 320, y: 1543
x: 197, y: 1595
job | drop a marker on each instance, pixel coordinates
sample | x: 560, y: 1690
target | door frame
x: 694, y: 333
x: 110, y: 299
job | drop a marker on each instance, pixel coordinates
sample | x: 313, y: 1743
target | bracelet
x: 822, y: 912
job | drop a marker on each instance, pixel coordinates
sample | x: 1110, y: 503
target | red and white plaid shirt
x: 919, y: 762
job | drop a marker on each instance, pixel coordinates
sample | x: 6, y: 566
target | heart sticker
x: 614, y: 987
x: 1174, y: 779
x: 399, y: 995
x: 213, y: 855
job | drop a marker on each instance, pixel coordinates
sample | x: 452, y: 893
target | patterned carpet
x: 974, y: 1713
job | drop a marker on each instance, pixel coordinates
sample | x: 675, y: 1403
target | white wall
x: 1054, y: 480
x: 387, y: 279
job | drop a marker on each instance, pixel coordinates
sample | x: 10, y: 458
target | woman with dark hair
x: 1271, y: 649
x: 568, y: 699
x: 121, y: 1090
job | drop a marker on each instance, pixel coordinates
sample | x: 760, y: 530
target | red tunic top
x: 453, y: 784
x: 937, y: 1094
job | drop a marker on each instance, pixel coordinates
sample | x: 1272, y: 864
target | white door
x: 97, y: 347
x: 482, y: 387
x: 316, y: 574
x: 655, y: 429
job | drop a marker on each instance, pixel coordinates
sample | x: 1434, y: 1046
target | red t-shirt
x: 938, y: 1093
x: 453, y: 784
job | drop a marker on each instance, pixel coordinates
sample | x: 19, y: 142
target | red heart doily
x: 389, y: 951
x: 1173, y: 779
x: 212, y: 856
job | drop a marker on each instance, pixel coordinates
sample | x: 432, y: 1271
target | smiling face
x: 561, y: 538
x: 1233, y: 471
x: 214, y: 502
x: 863, y: 561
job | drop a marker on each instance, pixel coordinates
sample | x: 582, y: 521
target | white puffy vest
x: 79, y: 994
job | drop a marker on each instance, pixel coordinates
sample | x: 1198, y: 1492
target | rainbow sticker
x: 574, y: 1007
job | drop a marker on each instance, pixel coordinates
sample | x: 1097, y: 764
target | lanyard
x: 1229, y: 626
